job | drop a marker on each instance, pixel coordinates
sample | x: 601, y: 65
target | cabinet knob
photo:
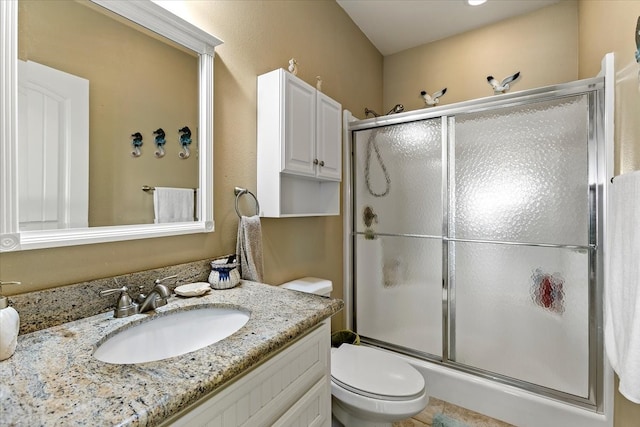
x: 322, y: 163
x: 315, y: 161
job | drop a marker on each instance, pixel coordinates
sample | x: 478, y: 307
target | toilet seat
x: 374, y: 374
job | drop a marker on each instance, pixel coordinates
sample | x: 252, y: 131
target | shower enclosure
x: 476, y: 235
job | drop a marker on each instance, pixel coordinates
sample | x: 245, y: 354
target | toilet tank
x: 310, y: 285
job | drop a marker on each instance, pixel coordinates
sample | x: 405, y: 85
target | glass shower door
x: 398, y: 213
x: 520, y: 243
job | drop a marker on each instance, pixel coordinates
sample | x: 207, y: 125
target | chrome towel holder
x: 147, y: 189
x: 239, y: 191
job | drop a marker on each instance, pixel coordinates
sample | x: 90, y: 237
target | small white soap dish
x: 193, y: 289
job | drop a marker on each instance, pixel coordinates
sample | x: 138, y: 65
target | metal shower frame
x: 599, y: 171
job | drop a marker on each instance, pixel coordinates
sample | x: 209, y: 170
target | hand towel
x: 173, y: 204
x: 622, y: 288
x: 249, y: 248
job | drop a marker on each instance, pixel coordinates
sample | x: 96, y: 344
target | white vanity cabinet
x: 292, y: 388
x: 299, y: 148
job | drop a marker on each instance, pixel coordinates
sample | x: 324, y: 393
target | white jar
x: 225, y: 273
x: 224, y: 278
x: 9, y: 325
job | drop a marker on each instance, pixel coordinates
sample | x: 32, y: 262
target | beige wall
x: 608, y: 26
x: 542, y: 45
x: 136, y: 84
x: 258, y: 37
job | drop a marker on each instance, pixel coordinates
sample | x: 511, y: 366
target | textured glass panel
x: 521, y: 174
x: 398, y: 173
x: 399, y: 291
x: 523, y: 312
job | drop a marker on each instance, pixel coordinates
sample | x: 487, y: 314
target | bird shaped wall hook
x: 503, y: 86
x: 431, y: 100
x: 293, y: 66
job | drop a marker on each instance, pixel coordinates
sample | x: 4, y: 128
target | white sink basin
x: 171, y: 335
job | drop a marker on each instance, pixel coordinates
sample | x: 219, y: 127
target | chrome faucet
x: 156, y: 298
x: 143, y: 303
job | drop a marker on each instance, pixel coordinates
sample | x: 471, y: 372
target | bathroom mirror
x: 186, y: 47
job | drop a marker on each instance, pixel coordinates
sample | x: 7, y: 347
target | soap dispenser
x: 9, y: 325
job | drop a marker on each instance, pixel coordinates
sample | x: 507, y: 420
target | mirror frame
x: 159, y: 20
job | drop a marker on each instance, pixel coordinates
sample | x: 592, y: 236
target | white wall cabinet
x: 299, y: 148
x: 291, y: 388
x: 312, y: 139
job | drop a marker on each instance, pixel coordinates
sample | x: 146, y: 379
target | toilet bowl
x: 369, y: 387
x: 372, y: 388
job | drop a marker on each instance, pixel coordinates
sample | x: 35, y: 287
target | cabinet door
x: 291, y: 386
x: 311, y: 410
x: 328, y: 137
x: 299, y: 127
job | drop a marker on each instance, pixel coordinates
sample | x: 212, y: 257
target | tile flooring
x: 470, y: 418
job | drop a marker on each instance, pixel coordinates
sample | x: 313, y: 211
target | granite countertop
x: 52, y: 379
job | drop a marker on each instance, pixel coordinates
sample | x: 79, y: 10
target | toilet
x: 369, y: 387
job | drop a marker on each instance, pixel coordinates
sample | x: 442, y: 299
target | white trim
x: 9, y: 236
x: 205, y: 141
x: 159, y: 20
x: 83, y: 236
x: 609, y: 73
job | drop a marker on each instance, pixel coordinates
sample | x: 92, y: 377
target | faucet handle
x: 125, y: 306
x: 108, y: 292
x: 159, y: 281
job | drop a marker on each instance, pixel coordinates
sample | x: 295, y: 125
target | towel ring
x: 238, y: 191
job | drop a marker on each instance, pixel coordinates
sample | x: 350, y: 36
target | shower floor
x: 435, y: 406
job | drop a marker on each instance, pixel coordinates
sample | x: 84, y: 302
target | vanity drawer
x: 313, y: 409
x: 263, y: 395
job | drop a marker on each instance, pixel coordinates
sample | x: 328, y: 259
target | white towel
x: 622, y: 289
x: 249, y: 248
x: 173, y: 204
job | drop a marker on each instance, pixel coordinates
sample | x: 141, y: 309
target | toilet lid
x: 371, y: 372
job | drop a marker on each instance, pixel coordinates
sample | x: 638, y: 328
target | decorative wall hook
x: 637, y: 37
x: 503, y: 86
x: 160, y: 141
x: 137, y: 143
x: 185, y: 141
x: 293, y: 66
x: 431, y: 100
x: 368, y: 111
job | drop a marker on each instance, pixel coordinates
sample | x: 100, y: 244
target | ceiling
x: 395, y: 25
